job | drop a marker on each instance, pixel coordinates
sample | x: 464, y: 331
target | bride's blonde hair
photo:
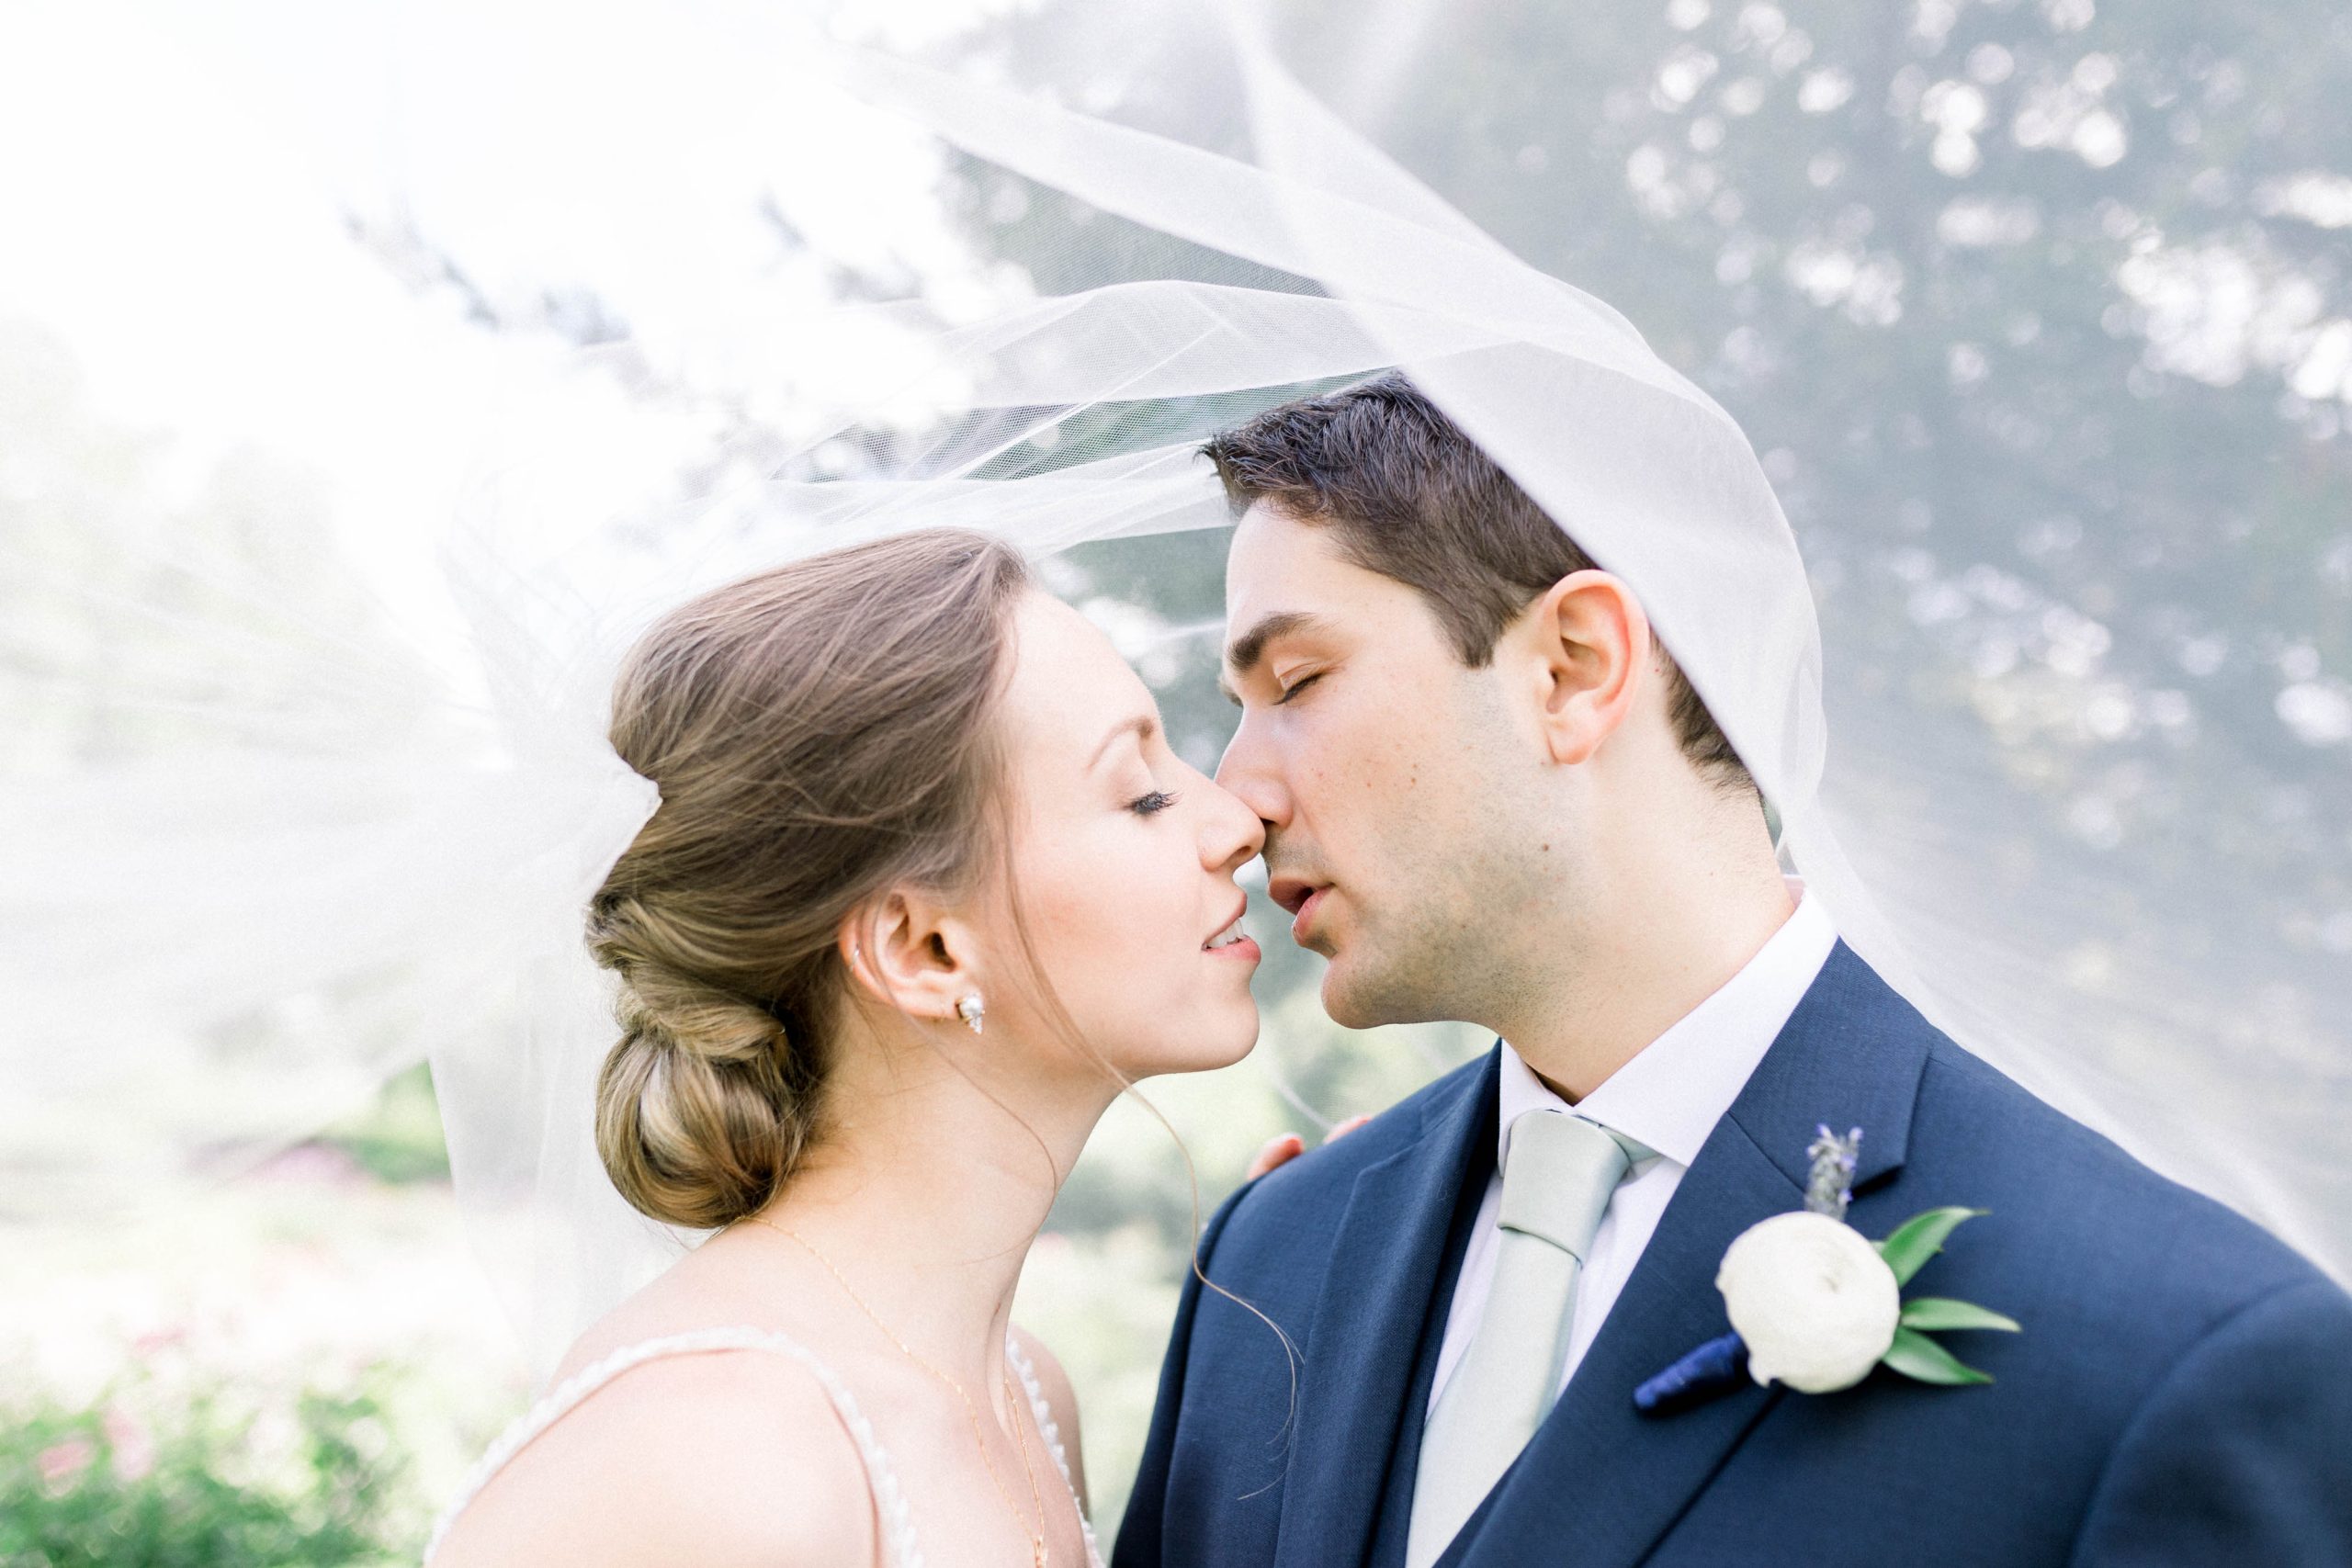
x: 819, y: 732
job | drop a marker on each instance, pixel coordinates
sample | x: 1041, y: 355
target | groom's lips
x: 1301, y: 898
x: 1290, y: 891
x: 1306, y: 916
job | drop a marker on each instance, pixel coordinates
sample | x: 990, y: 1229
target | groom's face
x: 1383, y: 768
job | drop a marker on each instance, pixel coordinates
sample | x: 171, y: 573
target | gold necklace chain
x: 1020, y: 1428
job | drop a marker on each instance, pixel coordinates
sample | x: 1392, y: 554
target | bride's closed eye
x: 1152, y: 804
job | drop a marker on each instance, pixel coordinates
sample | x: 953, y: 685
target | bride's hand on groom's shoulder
x: 1284, y: 1147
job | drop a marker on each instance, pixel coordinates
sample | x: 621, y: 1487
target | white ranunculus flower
x: 1813, y: 1299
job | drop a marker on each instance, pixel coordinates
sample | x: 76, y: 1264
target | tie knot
x: 1558, y: 1174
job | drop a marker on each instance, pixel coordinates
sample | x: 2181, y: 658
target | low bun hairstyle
x: 819, y: 733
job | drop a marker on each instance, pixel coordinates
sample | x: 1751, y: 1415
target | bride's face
x: 1123, y: 857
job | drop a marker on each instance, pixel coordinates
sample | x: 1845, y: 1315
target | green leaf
x: 1942, y: 1311
x: 1920, y: 1238
x: 1915, y: 1356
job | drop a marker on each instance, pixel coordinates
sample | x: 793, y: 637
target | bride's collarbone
x: 966, y: 1512
x: 719, y: 1458
x: 772, y: 1416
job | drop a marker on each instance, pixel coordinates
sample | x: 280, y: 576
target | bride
x: 927, y: 888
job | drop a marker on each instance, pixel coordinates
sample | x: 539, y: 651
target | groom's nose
x: 1252, y: 770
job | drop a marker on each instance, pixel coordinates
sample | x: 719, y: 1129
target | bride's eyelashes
x: 1153, y: 803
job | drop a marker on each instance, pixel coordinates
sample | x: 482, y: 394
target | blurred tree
x: 2041, y: 316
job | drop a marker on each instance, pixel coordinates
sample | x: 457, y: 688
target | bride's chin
x: 1218, y: 1042
x: 1233, y: 1043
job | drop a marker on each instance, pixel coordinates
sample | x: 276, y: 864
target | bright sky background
x: 181, y: 183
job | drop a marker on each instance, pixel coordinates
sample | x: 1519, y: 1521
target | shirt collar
x: 1676, y: 1088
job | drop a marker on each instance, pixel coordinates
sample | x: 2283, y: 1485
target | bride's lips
x: 1231, y: 942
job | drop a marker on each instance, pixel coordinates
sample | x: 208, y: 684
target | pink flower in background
x: 61, y: 1464
x: 154, y: 1341
x: 133, y: 1445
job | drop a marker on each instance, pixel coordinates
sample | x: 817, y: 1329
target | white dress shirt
x: 1668, y: 1098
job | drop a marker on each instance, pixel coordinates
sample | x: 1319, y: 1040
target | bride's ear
x: 911, y: 954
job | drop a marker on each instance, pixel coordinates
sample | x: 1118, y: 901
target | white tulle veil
x: 335, y: 824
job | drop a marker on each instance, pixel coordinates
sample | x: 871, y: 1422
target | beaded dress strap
x: 899, y: 1546
x: 1052, y: 1432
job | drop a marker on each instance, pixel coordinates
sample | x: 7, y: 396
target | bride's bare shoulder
x: 715, y: 1457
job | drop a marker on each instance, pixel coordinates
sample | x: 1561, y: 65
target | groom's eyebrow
x: 1242, y: 654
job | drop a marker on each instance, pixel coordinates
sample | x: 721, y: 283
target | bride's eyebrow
x: 1142, y: 727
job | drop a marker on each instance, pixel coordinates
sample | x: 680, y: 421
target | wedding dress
x: 894, y: 1520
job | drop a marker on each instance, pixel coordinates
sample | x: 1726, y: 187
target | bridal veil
x: 358, y: 798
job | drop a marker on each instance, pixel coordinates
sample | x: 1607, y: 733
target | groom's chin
x: 1357, y: 1000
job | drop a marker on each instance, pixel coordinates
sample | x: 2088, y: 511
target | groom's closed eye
x: 1299, y: 685
x: 1246, y: 654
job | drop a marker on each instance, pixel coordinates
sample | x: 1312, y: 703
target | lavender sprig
x: 1831, y: 1187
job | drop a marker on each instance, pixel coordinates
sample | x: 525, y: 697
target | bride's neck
x: 926, y: 1189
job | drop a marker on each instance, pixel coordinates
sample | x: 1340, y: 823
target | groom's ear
x: 909, y: 953
x: 1589, y: 648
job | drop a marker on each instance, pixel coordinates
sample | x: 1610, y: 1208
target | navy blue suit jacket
x: 2181, y: 1392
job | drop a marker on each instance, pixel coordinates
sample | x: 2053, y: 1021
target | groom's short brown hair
x: 1414, y: 499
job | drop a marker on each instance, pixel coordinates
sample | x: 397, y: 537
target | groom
x: 1490, y: 794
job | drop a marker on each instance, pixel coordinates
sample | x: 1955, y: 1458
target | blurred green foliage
x: 212, y: 1476
x: 398, y: 1138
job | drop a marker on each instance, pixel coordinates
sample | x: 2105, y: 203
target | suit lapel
x: 1600, y: 1482
x: 1370, y: 1323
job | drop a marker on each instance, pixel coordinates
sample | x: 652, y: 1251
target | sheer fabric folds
x: 418, y: 875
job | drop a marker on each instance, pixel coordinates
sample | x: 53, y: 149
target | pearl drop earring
x: 972, y: 1010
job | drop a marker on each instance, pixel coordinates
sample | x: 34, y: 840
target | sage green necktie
x: 1558, y: 1174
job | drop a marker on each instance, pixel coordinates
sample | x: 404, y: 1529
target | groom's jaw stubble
x: 1442, y: 929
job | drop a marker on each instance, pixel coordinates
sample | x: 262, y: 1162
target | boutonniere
x: 1816, y: 1305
